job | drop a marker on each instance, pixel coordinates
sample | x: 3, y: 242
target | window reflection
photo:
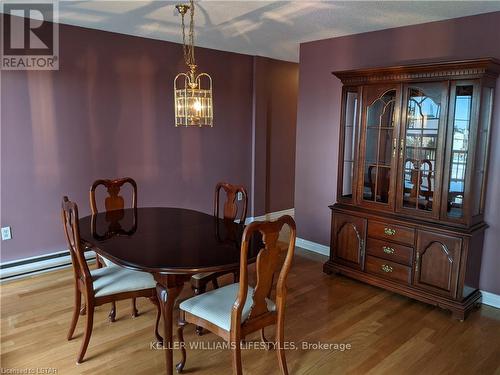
x: 459, y: 152
x: 422, y: 129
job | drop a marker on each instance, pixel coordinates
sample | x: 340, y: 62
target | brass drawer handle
x: 389, y: 231
x: 388, y: 250
x: 386, y: 268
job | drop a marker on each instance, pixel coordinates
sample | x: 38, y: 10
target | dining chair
x: 113, y: 202
x: 230, y: 211
x: 236, y: 310
x: 101, y: 285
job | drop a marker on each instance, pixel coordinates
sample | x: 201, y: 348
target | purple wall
x: 108, y: 112
x: 319, y: 113
x: 275, y: 120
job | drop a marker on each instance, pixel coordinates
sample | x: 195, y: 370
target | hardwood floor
x: 389, y: 334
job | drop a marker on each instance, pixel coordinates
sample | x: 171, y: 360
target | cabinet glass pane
x: 482, y: 150
x: 459, y: 150
x: 380, y: 120
x: 351, y: 105
x: 420, y: 145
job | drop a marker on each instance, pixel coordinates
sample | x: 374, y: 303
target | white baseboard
x: 491, y: 299
x: 27, y: 267
x: 312, y: 246
x: 271, y: 215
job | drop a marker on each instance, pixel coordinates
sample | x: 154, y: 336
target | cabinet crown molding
x: 422, y: 71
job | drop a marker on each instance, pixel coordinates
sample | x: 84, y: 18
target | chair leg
x: 83, y: 309
x: 236, y: 356
x: 88, y: 331
x: 215, y: 283
x: 180, y: 336
x: 263, y: 338
x: 76, y: 312
x: 154, y: 300
x: 236, y: 276
x: 200, y: 290
x: 280, y: 338
x: 112, y: 312
x: 135, y: 312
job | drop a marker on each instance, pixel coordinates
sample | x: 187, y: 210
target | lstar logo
x: 30, y: 36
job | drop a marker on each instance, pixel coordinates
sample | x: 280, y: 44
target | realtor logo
x: 30, y: 36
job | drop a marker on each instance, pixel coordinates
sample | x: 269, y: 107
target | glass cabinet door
x: 348, y: 132
x: 420, y: 148
x: 380, y: 122
x: 482, y: 145
x: 456, y: 190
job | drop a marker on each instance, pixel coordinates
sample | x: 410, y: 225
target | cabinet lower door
x: 348, y: 240
x: 437, y: 263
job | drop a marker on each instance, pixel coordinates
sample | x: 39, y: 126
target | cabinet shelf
x: 381, y: 127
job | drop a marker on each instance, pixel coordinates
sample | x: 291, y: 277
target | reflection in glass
x: 380, y: 121
x: 351, y: 105
x: 459, y: 150
x: 422, y: 129
x: 383, y: 179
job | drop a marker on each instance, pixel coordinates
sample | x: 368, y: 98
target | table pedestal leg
x: 168, y: 288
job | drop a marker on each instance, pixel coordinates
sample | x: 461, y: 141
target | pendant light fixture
x: 192, y: 91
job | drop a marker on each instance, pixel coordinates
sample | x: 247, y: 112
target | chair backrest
x: 267, y: 266
x: 231, y: 204
x: 114, y: 201
x: 69, y: 213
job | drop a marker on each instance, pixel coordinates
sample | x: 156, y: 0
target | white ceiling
x: 266, y: 28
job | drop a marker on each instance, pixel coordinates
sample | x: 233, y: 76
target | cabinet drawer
x: 388, y: 269
x: 390, y: 251
x: 391, y: 232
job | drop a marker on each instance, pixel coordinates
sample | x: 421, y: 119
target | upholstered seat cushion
x: 202, y: 275
x: 215, y: 306
x: 113, y: 280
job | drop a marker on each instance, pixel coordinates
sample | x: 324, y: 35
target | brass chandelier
x: 192, y: 91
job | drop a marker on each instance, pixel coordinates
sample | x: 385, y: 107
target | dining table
x: 172, y: 244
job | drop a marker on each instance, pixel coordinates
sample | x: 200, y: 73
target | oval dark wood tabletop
x: 166, y: 240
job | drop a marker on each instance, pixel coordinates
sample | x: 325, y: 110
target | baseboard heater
x: 35, y: 265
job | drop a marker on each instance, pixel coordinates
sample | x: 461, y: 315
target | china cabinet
x: 412, y: 178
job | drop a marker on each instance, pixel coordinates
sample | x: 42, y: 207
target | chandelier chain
x: 188, y: 48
